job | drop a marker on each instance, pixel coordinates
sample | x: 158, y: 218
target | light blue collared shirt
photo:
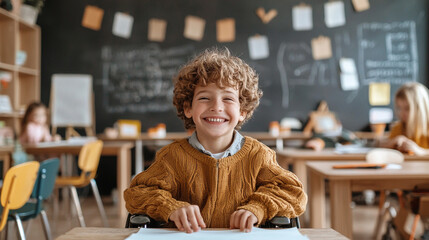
x: 236, y: 145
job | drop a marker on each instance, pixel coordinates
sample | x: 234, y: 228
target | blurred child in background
x: 34, y: 128
x: 410, y: 133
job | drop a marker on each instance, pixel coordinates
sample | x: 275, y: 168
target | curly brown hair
x: 219, y: 67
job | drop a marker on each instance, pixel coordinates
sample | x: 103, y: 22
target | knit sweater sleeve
x: 278, y: 193
x: 151, y: 192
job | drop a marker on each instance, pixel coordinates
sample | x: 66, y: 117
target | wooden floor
x: 364, y: 220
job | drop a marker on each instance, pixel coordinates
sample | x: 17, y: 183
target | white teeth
x: 215, y: 119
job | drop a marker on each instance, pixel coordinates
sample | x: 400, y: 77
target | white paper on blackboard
x: 258, y: 47
x: 122, y: 25
x: 334, y: 14
x: 302, y: 18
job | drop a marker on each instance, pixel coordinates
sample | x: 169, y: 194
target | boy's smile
x: 216, y: 113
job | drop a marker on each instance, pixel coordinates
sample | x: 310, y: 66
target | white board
x: 71, y: 96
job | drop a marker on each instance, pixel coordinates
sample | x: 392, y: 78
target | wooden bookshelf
x: 16, y: 35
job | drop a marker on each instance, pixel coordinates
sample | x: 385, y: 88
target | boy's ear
x: 187, y: 112
x: 242, y: 116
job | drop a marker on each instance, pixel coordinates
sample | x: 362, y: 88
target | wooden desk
x: 145, y: 139
x: 121, y: 150
x: 171, y: 136
x: 342, y: 182
x: 298, y: 157
x: 5, y: 156
x: 122, y: 233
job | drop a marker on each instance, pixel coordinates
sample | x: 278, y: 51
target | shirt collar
x: 236, y: 145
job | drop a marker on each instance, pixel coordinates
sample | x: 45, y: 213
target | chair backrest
x: 17, y: 187
x: 89, y: 157
x: 45, y: 181
x: 384, y: 155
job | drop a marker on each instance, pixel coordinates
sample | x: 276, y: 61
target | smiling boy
x: 216, y: 178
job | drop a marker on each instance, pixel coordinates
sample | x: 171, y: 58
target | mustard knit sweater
x: 251, y: 179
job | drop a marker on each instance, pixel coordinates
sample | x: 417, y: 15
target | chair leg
x: 99, y: 203
x: 382, y: 211
x: 413, y: 230
x: 27, y: 228
x: 77, y: 205
x: 46, y: 226
x: 19, y: 227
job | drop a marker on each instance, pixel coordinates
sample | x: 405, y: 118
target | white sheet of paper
x: 349, y: 81
x: 302, y: 18
x: 380, y: 115
x: 255, y: 234
x: 347, y: 65
x: 122, y: 25
x: 258, y: 47
x: 334, y: 14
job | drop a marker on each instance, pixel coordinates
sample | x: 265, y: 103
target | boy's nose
x: 217, y: 106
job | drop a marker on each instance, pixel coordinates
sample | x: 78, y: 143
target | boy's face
x: 215, y: 112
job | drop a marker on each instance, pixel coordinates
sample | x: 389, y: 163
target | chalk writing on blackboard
x: 139, y: 79
x: 388, y: 52
x: 297, y: 67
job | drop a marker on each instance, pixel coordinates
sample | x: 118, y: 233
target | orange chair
x: 17, y: 187
x: 89, y: 157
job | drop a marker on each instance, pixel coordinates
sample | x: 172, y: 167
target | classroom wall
x: 132, y: 77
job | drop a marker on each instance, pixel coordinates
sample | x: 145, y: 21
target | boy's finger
x: 250, y: 222
x: 193, y: 221
x: 200, y: 219
x: 243, y: 221
x: 238, y: 217
x: 179, y: 225
x: 232, y: 220
x: 185, y: 223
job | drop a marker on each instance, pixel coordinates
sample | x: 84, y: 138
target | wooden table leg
x: 123, y: 180
x: 341, y: 213
x: 6, y: 163
x: 300, y: 171
x: 317, y: 201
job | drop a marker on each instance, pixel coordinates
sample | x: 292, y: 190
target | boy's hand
x: 188, y: 219
x: 243, y: 219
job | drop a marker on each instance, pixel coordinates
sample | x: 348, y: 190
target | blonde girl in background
x: 410, y: 133
x: 34, y: 127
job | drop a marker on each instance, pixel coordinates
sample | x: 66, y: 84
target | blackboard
x: 132, y: 77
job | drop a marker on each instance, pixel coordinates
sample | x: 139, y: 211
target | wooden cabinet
x: 17, y: 36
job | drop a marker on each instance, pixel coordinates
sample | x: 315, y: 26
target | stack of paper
x: 255, y: 234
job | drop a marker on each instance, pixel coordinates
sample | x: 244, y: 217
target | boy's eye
x: 203, y: 98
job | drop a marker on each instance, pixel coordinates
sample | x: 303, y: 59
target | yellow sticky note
x: 92, y: 17
x: 321, y: 48
x: 157, y: 29
x: 360, y: 5
x: 194, y: 28
x: 379, y: 94
x: 225, y: 29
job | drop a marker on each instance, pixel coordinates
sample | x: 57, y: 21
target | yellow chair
x: 89, y: 157
x: 17, y: 187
